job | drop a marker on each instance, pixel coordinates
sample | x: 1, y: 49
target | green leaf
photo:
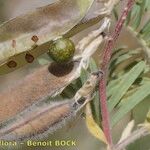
x: 112, y: 86
x: 115, y: 14
x: 128, y: 18
x: 137, y: 14
x: 146, y: 27
x: 69, y: 91
x: 140, y: 111
x: 93, y: 66
x: 84, y: 75
x: 147, y: 5
x: 148, y: 115
x: 125, y: 84
x: 131, y: 102
x: 96, y: 102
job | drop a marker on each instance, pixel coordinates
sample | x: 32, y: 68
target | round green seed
x: 62, y: 50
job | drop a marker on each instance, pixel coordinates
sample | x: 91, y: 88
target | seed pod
x: 44, y: 82
x: 62, y: 50
x: 42, y: 118
x: 46, y: 116
x: 32, y: 32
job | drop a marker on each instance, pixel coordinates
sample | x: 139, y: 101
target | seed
x: 29, y: 58
x: 11, y: 64
x: 34, y: 38
x: 62, y: 50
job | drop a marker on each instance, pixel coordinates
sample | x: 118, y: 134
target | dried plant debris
x: 26, y: 33
x: 46, y: 81
x: 31, y: 107
x: 46, y: 115
x: 26, y: 37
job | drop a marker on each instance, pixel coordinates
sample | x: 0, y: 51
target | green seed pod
x: 62, y: 50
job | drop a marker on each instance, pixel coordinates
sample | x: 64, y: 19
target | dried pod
x: 46, y: 116
x: 31, y: 33
x: 43, y: 82
x: 42, y: 118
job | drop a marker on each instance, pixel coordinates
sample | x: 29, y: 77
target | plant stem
x: 106, y: 58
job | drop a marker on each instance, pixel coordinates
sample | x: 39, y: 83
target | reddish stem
x: 106, y: 58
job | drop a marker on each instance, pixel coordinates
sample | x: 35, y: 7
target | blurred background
x: 77, y: 131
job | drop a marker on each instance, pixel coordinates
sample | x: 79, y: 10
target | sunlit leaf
x: 93, y: 128
x: 127, y: 131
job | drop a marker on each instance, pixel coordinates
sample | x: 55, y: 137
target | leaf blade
x: 131, y: 102
x: 93, y: 128
x: 125, y: 83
